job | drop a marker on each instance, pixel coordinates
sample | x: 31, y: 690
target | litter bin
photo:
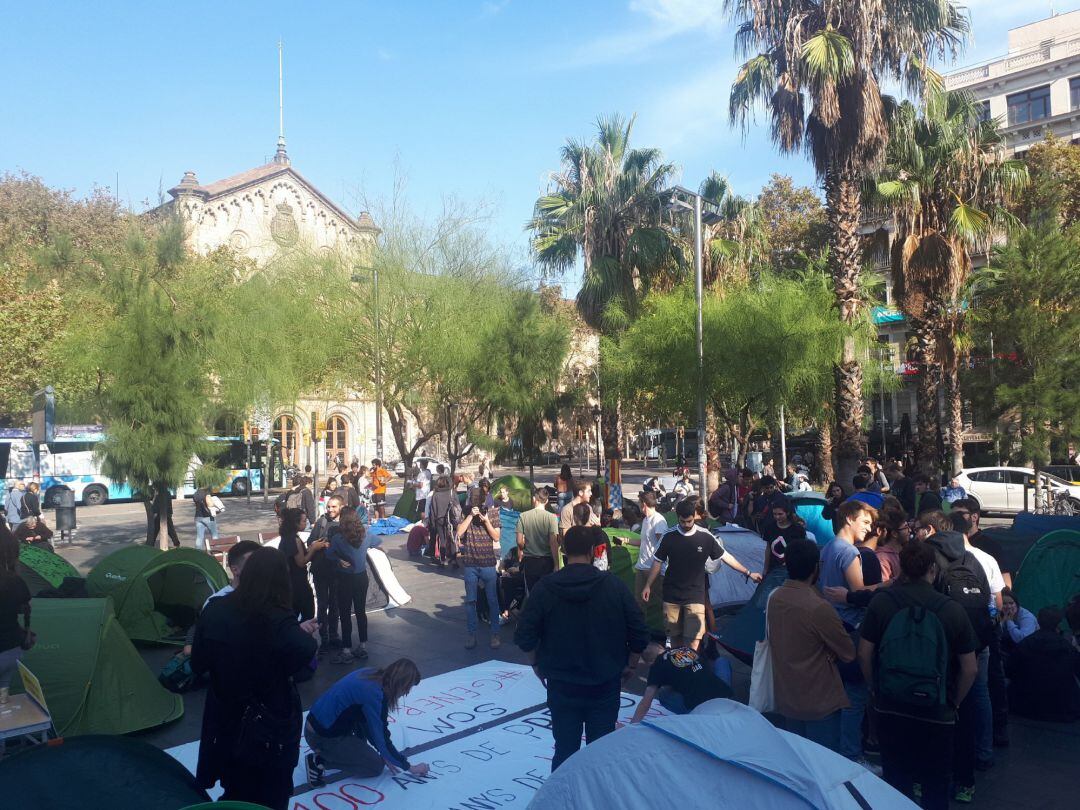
x: 65, y: 510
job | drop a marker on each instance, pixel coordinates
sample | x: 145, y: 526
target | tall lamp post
x: 596, y: 413
x: 370, y: 232
x: 679, y: 197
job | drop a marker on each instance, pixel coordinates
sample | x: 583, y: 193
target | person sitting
x: 34, y: 532
x: 785, y: 522
x: 1043, y: 672
x: 511, y: 583
x: 348, y: 726
x: 682, y: 680
x: 953, y: 492
x: 1018, y: 622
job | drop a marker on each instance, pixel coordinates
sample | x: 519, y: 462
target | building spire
x: 280, y: 156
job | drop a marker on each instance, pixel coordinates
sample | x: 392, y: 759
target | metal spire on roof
x: 280, y: 156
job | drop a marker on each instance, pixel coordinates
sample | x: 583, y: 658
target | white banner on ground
x: 484, y: 730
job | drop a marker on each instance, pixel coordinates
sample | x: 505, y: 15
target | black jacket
x: 1042, y: 678
x: 244, y: 657
x: 583, y: 624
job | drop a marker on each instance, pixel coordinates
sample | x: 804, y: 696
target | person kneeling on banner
x: 348, y: 726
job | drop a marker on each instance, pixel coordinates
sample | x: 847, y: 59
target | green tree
x: 1054, y: 166
x: 605, y: 208
x: 947, y: 185
x: 1027, y: 300
x: 815, y: 65
x: 795, y: 222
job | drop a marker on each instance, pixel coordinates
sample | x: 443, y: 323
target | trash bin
x: 65, y: 510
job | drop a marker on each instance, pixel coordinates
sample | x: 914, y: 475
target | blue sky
x: 469, y: 99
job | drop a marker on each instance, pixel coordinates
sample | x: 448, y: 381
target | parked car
x: 1069, y: 472
x: 1001, y: 489
x: 433, y: 463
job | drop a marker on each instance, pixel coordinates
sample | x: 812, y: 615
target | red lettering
x: 378, y: 796
x: 339, y: 802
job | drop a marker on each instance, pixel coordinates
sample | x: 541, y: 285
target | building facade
x: 259, y: 213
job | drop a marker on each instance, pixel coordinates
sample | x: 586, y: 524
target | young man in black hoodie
x: 585, y: 634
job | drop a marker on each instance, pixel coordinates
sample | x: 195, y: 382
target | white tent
x: 727, y: 587
x: 722, y: 755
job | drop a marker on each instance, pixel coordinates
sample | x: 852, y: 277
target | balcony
x: 1012, y: 63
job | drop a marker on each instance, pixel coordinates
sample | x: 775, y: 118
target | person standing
x: 901, y: 487
x: 538, y: 540
x: 250, y: 645
x: 807, y: 639
x: 348, y: 727
x: 13, y: 503
x: 348, y: 549
x: 564, y: 486
x: 585, y: 635
x: 582, y: 491
x: 380, y: 477
x: 686, y: 549
x: 205, y: 522
x: 724, y: 502
x: 478, y: 537
x: 443, y: 514
x: 861, y: 483
x: 917, y: 649
x: 324, y: 572
x: 31, y: 505
x: 293, y: 521
x: 926, y: 498
x: 653, y: 528
x: 423, y: 487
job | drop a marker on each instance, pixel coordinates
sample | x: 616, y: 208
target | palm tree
x: 947, y: 184
x: 735, y: 243
x: 815, y: 65
x: 605, y: 208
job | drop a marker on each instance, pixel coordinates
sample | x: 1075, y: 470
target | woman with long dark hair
x: 294, y: 521
x: 348, y: 727
x: 251, y: 645
x: 564, y: 486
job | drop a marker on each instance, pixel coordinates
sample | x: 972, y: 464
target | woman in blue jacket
x: 348, y: 727
x: 348, y: 548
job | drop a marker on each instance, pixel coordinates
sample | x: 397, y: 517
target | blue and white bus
x: 233, y: 459
x: 69, y: 461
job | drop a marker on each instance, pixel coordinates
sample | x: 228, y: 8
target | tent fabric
x: 520, y: 490
x: 387, y: 526
x: 41, y: 569
x: 94, y: 680
x: 723, y: 750
x: 1015, y: 545
x: 1039, y: 525
x: 157, y: 593
x: 1050, y: 573
x: 747, y: 628
x: 405, y: 508
x: 97, y: 772
x: 728, y: 588
x: 622, y: 560
x: 808, y: 506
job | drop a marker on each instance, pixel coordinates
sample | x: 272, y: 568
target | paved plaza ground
x: 1039, y: 771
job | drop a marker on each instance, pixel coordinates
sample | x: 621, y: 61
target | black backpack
x: 965, y: 582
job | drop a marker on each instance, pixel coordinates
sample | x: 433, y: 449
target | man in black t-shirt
x: 917, y: 740
x: 680, y: 676
x: 686, y: 549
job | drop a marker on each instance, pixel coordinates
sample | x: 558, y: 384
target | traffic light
x: 318, y: 427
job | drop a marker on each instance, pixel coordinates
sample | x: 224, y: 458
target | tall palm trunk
x: 712, y: 449
x: 823, y: 470
x: 926, y: 398
x: 844, y: 206
x: 954, y: 406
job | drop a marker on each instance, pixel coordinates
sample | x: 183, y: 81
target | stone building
x: 258, y: 213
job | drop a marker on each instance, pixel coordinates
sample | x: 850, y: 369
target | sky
x: 463, y: 99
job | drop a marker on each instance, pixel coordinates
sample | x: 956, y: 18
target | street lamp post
x: 596, y: 413
x: 696, y: 207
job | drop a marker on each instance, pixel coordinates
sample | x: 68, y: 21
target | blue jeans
x: 984, y: 712
x: 851, y: 720
x: 474, y: 574
x: 825, y: 731
x: 202, y: 526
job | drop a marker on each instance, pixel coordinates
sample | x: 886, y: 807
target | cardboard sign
x: 32, y: 686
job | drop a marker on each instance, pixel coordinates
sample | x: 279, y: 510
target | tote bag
x: 762, y: 694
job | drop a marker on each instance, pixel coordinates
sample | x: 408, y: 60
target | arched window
x: 337, y: 439
x: 287, y: 433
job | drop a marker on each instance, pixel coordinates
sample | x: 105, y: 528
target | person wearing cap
x: 584, y: 634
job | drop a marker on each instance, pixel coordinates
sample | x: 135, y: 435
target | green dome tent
x: 158, y: 594
x: 94, y: 680
x: 98, y: 772
x: 1050, y: 573
x: 622, y: 559
x: 41, y: 569
x: 520, y: 490
x: 405, y: 508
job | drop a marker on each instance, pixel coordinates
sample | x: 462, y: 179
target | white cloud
x: 666, y: 20
x: 692, y: 115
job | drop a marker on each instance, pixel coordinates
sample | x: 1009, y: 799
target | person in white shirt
x: 653, y: 527
x: 423, y: 487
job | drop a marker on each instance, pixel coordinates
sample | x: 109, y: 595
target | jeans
x: 984, y: 711
x: 352, y: 754
x: 202, y: 526
x: 352, y: 595
x: 851, y: 720
x: 825, y: 731
x: 475, y: 574
x: 969, y: 726
x: 916, y: 751
x: 326, y: 597
x: 573, y: 707
x: 564, y: 499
